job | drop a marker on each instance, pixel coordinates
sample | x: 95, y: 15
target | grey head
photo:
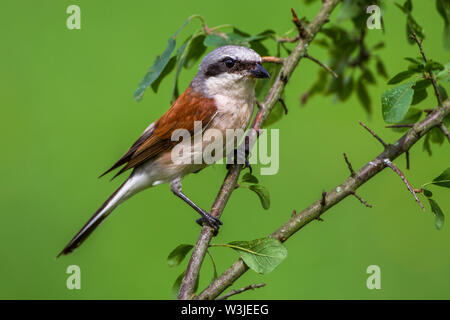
x: 228, y: 66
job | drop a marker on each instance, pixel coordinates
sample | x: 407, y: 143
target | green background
x: 68, y: 113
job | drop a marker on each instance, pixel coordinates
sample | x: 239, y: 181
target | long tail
x: 125, y: 191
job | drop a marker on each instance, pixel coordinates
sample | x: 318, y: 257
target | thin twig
x: 287, y: 39
x: 364, y: 202
x: 302, y: 31
x: 430, y: 72
x: 323, y: 65
x: 408, y: 125
x: 374, y: 134
x: 234, y: 292
x: 349, y: 165
x: 271, y: 59
x: 284, y: 105
x: 391, y: 165
x: 445, y: 131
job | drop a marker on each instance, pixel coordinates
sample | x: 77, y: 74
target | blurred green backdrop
x: 68, y: 114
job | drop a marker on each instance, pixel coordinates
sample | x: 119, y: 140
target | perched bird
x: 220, y: 97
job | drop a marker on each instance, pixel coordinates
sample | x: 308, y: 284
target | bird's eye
x: 229, y: 62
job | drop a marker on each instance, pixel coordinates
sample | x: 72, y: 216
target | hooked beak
x: 259, y: 72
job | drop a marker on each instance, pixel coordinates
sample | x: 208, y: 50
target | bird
x: 220, y: 97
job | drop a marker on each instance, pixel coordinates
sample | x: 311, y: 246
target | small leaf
x: 347, y: 88
x: 433, y: 65
x: 381, y: 69
x: 444, y: 75
x: 263, y: 195
x: 249, y: 178
x: 427, y: 193
x: 427, y: 145
x: 443, y: 180
x: 442, y: 92
x: 160, y: 64
x: 421, y: 84
x: 399, y: 77
x: 396, y: 102
x: 363, y: 96
x: 419, y: 96
x: 167, y: 70
x: 439, y: 215
x: 196, y: 50
x: 178, y: 254
x: 261, y: 255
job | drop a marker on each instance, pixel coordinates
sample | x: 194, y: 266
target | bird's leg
x: 241, y: 156
x: 175, y: 186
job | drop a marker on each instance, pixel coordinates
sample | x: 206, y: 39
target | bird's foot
x: 241, y: 157
x: 211, y: 221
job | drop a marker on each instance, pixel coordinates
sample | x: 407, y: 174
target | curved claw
x: 211, y: 221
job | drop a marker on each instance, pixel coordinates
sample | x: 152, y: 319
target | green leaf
x: 419, y: 96
x: 167, y: 70
x: 275, y: 115
x: 178, y: 254
x: 442, y: 92
x: 443, y: 7
x: 436, y: 135
x: 381, y: 69
x: 159, y: 65
x: 433, y: 65
x: 263, y: 195
x: 439, y: 215
x: 412, y: 116
x: 347, y: 88
x: 427, y: 193
x: 421, y: 84
x: 196, y: 50
x: 181, y: 58
x: 399, y: 77
x: 427, y: 145
x: 349, y: 10
x: 443, y: 180
x: 396, y: 102
x: 214, y: 40
x: 444, y: 75
x: 363, y: 96
x: 249, y: 178
x: 261, y: 255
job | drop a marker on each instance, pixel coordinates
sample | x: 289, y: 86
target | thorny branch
x: 229, y: 184
x: 299, y: 219
x: 234, y: 292
x: 328, y: 199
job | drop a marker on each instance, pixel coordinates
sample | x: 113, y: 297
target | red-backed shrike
x: 220, y: 97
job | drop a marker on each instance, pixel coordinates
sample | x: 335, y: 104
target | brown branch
x: 374, y: 134
x: 408, y: 125
x: 349, y: 165
x: 335, y: 195
x: 271, y: 59
x: 302, y: 31
x: 287, y: 39
x: 403, y: 177
x: 323, y: 65
x: 364, y: 202
x: 228, y: 186
x: 234, y: 292
x: 430, y: 72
